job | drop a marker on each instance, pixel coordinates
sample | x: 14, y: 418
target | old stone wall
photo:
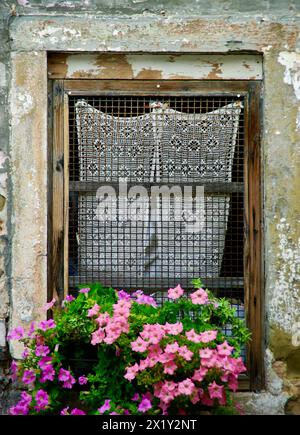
x: 29, y: 29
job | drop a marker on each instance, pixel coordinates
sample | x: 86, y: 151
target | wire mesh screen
x: 148, y: 142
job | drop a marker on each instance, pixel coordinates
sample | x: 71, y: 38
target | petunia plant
x: 113, y: 352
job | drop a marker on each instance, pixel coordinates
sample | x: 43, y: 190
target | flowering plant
x: 111, y: 352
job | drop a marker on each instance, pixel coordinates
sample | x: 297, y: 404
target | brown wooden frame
x: 59, y: 187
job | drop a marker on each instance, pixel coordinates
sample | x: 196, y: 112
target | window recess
x: 153, y: 133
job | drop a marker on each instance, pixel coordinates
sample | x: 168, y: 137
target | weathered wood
x: 156, y: 87
x: 57, y: 240
x: 149, y: 66
x: 66, y: 194
x: 254, y: 264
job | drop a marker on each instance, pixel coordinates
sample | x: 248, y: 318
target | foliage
x: 108, y: 351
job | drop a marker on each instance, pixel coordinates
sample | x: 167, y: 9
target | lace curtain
x: 164, y: 146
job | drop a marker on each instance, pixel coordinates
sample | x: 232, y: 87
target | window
x: 153, y: 133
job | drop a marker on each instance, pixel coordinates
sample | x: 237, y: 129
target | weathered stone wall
x: 31, y: 28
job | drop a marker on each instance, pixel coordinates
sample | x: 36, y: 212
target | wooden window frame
x: 59, y: 91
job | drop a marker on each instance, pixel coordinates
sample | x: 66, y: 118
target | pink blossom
x: 154, y: 350
x: 131, y: 372
x: 207, y: 336
x: 196, y: 396
x: 82, y: 380
x: 49, y: 305
x: 205, y: 400
x: 98, y: 336
x: 192, y: 336
x: 185, y: 353
x: 47, y: 324
x: 44, y: 362
x: 206, y: 353
x: 66, y: 377
x: 68, y: 298
x: 65, y: 411
x: 16, y: 334
x: 176, y: 292
x: 166, y: 357
x: 93, y: 311
x: 28, y: 377
x: 105, y: 407
x: 47, y: 374
x: 146, y: 300
x: 173, y: 328
x: 84, y: 290
x: 172, y: 348
x: 103, y: 319
x: 123, y: 295
x: 199, y: 297
x: 224, y: 349
x: 77, y: 411
x: 42, y: 350
x: 233, y: 383
x: 215, y: 390
x: 199, y: 374
x: 170, y: 367
x: 22, y: 407
x: 139, y: 345
x: 153, y: 333
x: 42, y: 400
x: 69, y: 383
x: 135, y: 397
x: 25, y: 353
x: 186, y: 387
x: 145, y: 405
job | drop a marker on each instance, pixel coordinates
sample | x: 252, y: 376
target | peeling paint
x: 159, y: 66
x: 291, y: 62
x: 284, y: 307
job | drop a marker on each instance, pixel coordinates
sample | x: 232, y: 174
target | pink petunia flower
x: 193, y: 336
x: 207, y: 336
x: 47, y: 374
x: 215, y: 390
x: 42, y: 350
x: 123, y: 295
x: 16, y: 334
x: 47, y: 324
x: 135, y: 397
x: 185, y: 353
x: 199, y: 297
x: 131, y: 372
x: 139, y: 345
x: 97, y: 336
x: 25, y: 353
x: 49, y: 305
x: 199, y: 374
x: 176, y: 292
x: 84, y: 290
x: 145, y: 405
x: 173, y: 328
x: 170, y: 367
x: 28, y: 377
x: 206, y: 353
x: 172, y: 348
x: 46, y: 360
x: 224, y: 349
x: 65, y: 411
x: 93, y: 311
x: 82, y: 380
x: 42, y: 400
x: 186, y: 387
x: 105, y: 407
x: 77, y: 411
x: 103, y: 319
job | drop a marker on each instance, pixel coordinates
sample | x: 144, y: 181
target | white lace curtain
x: 162, y: 146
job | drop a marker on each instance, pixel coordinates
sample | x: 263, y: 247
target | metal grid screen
x: 148, y: 141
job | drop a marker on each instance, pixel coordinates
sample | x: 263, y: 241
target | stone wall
x: 31, y: 28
